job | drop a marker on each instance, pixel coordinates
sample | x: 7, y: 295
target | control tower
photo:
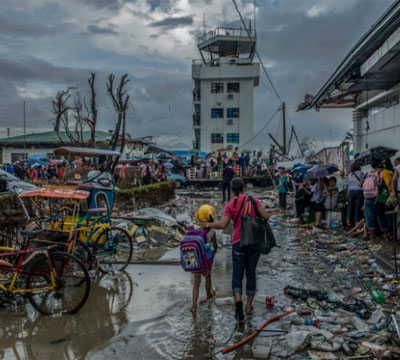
x: 224, y: 81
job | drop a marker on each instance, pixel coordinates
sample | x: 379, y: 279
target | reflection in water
x: 25, y: 334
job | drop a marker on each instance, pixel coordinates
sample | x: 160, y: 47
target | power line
x: 258, y: 56
x: 268, y: 122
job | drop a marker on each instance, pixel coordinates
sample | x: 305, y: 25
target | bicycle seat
x: 29, y: 234
x: 97, y: 211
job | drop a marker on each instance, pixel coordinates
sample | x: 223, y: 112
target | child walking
x: 205, y: 213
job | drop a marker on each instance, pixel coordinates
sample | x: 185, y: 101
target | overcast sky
x: 47, y: 45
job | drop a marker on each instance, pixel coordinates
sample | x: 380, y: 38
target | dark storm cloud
x: 94, y: 29
x: 17, y: 27
x: 32, y: 69
x: 110, y: 5
x: 174, y: 22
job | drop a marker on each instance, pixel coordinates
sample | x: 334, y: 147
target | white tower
x: 224, y: 80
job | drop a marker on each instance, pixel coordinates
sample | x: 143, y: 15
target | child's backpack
x: 194, y: 258
x: 371, y: 184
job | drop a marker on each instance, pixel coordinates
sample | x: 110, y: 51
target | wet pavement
x: 144, y: 312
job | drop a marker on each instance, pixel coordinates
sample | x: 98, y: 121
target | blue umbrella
x: 302, y: 169
x: 320, y: 171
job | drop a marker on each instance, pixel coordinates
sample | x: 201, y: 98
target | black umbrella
x: 379, y: 153
x: 320, y: 171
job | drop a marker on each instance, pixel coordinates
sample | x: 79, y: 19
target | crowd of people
x: 369, y: 197
x: 36, y: 172
x: 213, y: 165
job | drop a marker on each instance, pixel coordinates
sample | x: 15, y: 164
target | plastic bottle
x: 378, y: 297
x: 224, y: 301
x: 328, y: 319
x: 306, y: 322
x: 379, y: 326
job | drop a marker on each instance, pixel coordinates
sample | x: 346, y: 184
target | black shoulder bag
x: 256, y: 234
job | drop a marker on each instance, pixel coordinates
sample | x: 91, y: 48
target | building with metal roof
x: 22, y: 147
x: 368, y: 81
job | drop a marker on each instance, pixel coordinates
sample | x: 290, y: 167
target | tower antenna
x: 254, y: 20
x: 204, y: 23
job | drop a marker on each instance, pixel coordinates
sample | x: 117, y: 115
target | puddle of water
x: 25, y: 334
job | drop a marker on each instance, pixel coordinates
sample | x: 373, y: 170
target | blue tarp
x: 187, y: 154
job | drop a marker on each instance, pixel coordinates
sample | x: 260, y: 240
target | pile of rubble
x: 354, y: 310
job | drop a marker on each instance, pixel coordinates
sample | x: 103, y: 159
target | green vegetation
x: 145, y: 196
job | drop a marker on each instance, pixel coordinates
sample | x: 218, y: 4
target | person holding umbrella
x: 317, y: 199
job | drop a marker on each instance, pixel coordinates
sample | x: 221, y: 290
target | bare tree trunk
x: 93, y: 109
x: 120, y: 101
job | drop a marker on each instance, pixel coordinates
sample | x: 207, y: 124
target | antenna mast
x: 254, y: 16
x: 204, y: 23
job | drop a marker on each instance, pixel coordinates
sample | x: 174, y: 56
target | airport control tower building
x: 224, y: 81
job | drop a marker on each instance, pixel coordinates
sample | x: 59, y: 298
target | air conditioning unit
x: 230, y: 96
x: 229, y: 122
x: 219, y: 103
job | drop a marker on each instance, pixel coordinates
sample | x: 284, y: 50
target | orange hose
x: 256, y: 332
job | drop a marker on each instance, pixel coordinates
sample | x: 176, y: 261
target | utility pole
x: 284, y: 127
x: 24, y: 134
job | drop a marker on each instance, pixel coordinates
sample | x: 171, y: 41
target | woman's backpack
x: 371, y: 184
x: 194, y: 257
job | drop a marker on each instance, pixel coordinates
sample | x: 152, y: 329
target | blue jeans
x: 375, y: 213
x: 355, y: 198
x: 244, y: 260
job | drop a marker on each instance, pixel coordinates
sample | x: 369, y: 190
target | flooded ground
x: 144, y: 312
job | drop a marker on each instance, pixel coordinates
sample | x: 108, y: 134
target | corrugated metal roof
x: 370, y: 41
x: 51, y: 137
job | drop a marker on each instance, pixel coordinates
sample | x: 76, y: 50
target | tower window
x: 217, y: 138
x: 233, y: 87
x: 217, y: 113
x: 232, y: 113
x: 232, y: 138
x: 217, y: 88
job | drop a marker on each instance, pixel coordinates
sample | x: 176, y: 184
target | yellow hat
x: 204, y: 213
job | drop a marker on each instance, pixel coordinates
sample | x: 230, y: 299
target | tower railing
x: 225, y: 32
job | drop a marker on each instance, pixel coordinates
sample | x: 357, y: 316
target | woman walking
x: 243, y: 260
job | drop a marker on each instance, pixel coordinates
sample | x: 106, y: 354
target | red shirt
x: 231, y: 210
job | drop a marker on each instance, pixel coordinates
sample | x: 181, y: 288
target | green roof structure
x: 51, y: 138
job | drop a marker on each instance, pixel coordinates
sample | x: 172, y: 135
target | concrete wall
x: 7, y: 151
x: 339, y: 156
x: 383, y: 118
x: 247, y: 76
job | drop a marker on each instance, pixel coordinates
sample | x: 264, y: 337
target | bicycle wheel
x: 72, y: 285
x: 113, y: 250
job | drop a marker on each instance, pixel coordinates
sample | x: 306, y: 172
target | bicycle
x: 55, y: 282
x: 92, y: 238
x: 109, y: 248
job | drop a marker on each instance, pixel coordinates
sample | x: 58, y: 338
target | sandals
x: 249, y: 310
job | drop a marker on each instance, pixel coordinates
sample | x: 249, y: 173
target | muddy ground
x: 144, y: 312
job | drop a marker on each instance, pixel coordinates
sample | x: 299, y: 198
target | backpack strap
x: 241, y: 207
x: 354, y: 173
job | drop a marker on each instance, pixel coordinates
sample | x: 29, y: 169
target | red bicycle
x: 55, y: 282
